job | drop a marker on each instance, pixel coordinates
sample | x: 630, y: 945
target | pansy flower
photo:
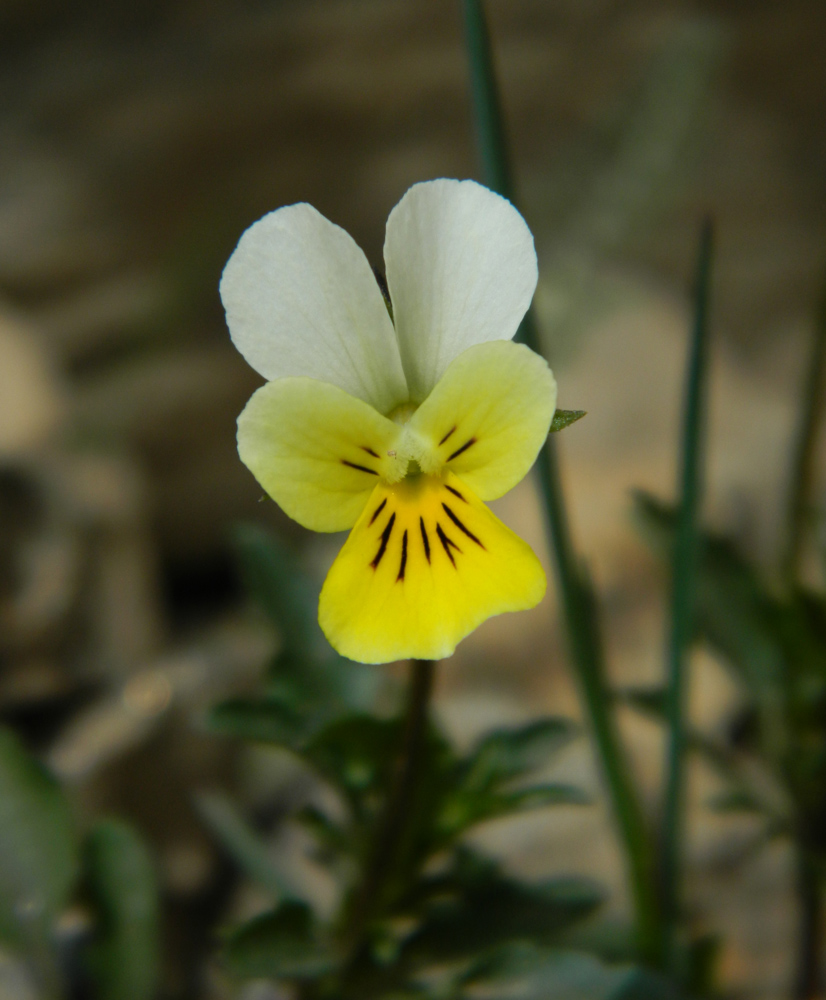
x: 397, y: 418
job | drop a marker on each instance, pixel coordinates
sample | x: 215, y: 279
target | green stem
x: 682, y: 603
x: 575, y: 592
x: 487, y: 107
x: 391, y: 825
x: 586, y: 648
x: 806, y: 448
x: 807, y: 974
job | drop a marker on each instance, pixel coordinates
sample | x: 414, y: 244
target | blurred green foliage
x: 122, y: 888
x: 773, y: 640
x: 48, y: 870
x: 443, y: 918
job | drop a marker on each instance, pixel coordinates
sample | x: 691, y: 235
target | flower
x: 397, y: 426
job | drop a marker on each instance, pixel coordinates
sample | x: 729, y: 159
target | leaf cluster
x: 773, y: 639
x: 443, y: 917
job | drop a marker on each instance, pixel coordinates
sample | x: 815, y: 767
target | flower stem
x: 390, y: 828
x: 806, y: 448
x: 682, y: 598
x: 575, y: 591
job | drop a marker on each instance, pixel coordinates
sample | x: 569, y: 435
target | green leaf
x: 244, y: 845
x: 284, y: 944
x: 564, y: 418
x: 533, y: 974
x: 39, y: 855
x: 359, y: 757
x: 120, y: 876
x: 475, y: 908
x: 513, y: 960
x: 538, y: 796
x: 463, y: 810
x: 507, y: 754
x: 356, y: 754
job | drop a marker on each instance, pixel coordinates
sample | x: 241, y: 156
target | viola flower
x: 397, y: 426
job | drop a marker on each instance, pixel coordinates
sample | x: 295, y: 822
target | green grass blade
x: 805, y: 448
x: 487, y: 108
x: 574, y: 589
x: 683, y: 588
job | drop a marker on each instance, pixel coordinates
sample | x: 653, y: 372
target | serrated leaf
x: 564, y: 418
x: 475, y: 908
x: 507, y: 754
x: 285, y: 944
x: 123, y: 956
x: 39, y: 854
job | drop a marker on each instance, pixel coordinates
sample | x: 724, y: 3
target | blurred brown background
x: 137, y: 141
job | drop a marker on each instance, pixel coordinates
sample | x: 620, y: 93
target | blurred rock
x: 31, y: 397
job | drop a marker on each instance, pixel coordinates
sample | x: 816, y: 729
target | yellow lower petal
x: 425, y: 564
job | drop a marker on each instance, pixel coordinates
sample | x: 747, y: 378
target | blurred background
x: 138, y: 141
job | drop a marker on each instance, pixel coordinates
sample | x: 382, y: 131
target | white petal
x: 461, y: 268
x: 301, y: 299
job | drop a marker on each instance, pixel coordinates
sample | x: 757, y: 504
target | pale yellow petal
x: 426, y: 564
x: 487, y: 418
x: 316, y: 450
